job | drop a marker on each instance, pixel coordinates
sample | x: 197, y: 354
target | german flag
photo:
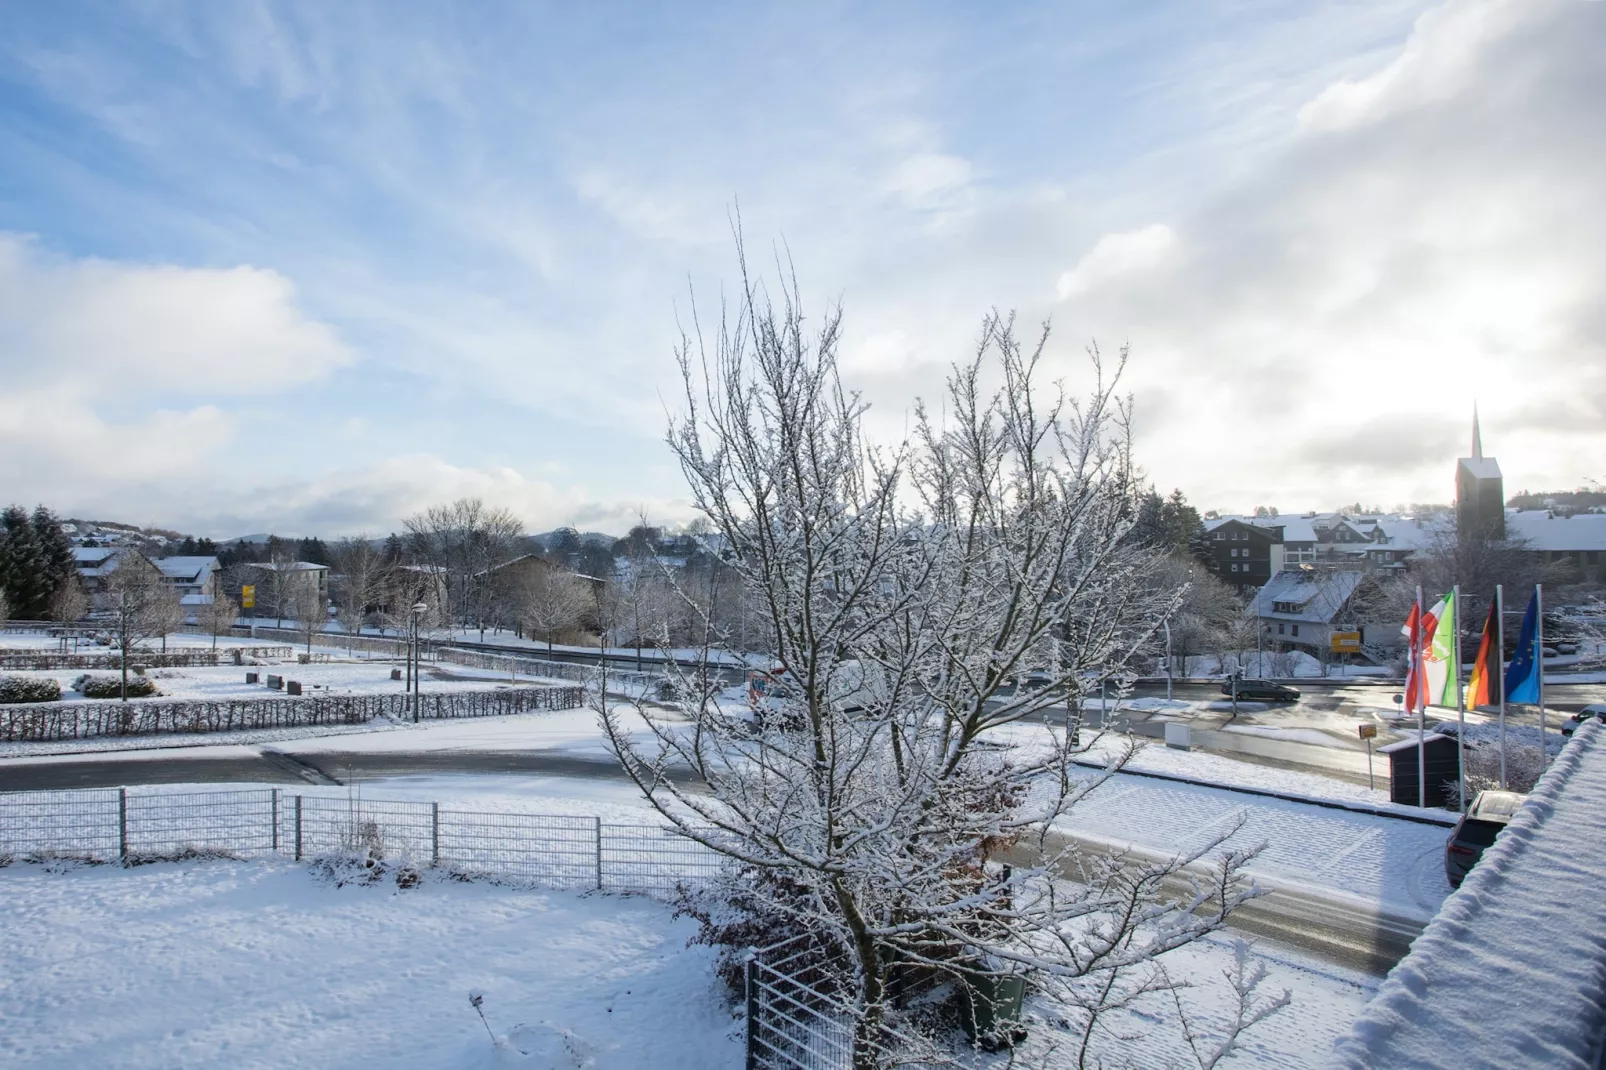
x: 1483, y: 689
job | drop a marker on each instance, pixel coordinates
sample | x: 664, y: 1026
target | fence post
x: 598, y: 822
x: 122, y: 826
x: 275, y: 820
x: 298, y: 828
x: 752, y: 1007
x: 434, y: 833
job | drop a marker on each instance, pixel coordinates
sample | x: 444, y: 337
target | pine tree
x: 27, y: 590
x: 55, y: 549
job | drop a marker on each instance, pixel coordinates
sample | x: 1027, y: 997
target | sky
x: 312, y: 267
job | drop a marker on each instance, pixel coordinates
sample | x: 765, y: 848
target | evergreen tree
x: 22, y: 563
x: 312, y: 550
x: 395, y: 551
x: 56, y: 556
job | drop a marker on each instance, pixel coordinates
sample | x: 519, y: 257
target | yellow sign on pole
x: 248, y: 596
x: 1346, y: 642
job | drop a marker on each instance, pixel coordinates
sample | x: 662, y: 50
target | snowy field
x: 263, y: 964
x: 266, y: 964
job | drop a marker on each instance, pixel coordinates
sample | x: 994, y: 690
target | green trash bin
x: 990, y: 1009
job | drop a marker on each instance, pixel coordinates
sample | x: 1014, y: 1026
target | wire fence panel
x: 553, y: 851
x: 395, y: 831
x: 167, y: 825
x: 54, y: 824
x: 653, y: 859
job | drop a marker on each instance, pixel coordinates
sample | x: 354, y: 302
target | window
x: 1296, y: 632
x: 1235, y: 554
x: 1235, y: 568
x: 1280, y: 632
x: 1221, y: 537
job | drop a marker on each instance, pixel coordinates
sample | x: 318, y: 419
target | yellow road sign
x: 248, y: 596
x: 1346, y: 642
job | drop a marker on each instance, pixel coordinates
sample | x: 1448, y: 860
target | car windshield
x: 1476, y: 833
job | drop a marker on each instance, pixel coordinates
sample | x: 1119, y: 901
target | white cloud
x: 108, y: 329
x: 1431, y: 235
x: 1115, y: 256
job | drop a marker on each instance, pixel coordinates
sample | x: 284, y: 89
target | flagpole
x: 1499, y: 674
x: 1539, y: 672
x: 1421, y: 709
x: 1460, y: 699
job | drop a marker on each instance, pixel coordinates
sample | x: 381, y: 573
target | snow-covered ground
x: 263, y: 964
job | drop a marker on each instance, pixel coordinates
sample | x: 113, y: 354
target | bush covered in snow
x: 15, y: 689
x: 139, y: 686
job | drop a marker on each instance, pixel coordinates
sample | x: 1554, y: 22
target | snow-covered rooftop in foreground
x: 1512, y: 971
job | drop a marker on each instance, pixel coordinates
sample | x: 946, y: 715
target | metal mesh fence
x: 543, y: 850
x: 652, y: 859
x: 48, y: 824
x: 167, y: 825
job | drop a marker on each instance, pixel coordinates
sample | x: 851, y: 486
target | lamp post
x: 1167, y: 626
x: 416, y: 620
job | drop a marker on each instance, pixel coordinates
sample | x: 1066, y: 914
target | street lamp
x: 1167, y: 626
x: 415, y: 619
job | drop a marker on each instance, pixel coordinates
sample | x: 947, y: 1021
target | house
x: 1577, y: 542
x: 1242, y: 552
x: 284, y: 587
x: 196, y: 578
x: 1299, y: 609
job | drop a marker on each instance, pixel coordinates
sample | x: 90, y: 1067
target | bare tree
x: 467, y: 538
x: 218, y: 617
x: 906, y: 592
x: 166, y: 612
x: 311, y: 610
x: 552, y: 601
x: 69, y: 604
x: 364, y: 572
x: 136, y: 596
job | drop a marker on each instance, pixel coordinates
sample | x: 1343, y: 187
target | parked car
x: 1262, y: 691
x: 1490, y: 812
x: 1595, y: 711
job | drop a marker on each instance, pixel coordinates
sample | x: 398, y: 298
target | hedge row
x: 150, y: 659
x: 84, y: 720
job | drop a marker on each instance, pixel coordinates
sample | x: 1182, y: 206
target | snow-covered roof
x: 1409, y: 743
x: 187, y: 569
x: 1295, y: 528
x: 1481, y: 467
x: 1543, y: 531
x: 1318, y: 594
x: 91, y: 555
x: 289, y: 566
x: 1511, y: 972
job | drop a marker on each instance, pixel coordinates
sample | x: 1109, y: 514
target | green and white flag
x: 1440, y: 656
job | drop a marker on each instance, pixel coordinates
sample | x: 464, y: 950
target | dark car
x: 1490, y: 812
x: 1262, y: 691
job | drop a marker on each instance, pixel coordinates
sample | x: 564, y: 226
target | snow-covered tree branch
x: 926, y: 605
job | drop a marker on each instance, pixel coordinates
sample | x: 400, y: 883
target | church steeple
x: 1477, y: 437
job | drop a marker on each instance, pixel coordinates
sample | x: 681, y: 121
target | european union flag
x: 1522, y: 675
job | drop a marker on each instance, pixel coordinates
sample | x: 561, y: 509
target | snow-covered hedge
x: 81, y: 720
x: 150, y: 659
x: 112, y: 686
x: 14, y: 689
